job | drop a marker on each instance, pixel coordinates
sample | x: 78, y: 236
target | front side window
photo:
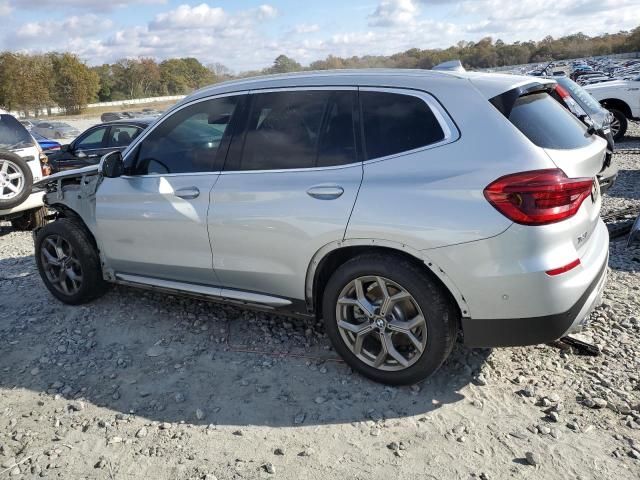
x: 297, y: 129
x: 187, y: 141
x: 395, y: 123
x: 92, y: 140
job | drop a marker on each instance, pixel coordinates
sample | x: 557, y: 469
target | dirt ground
x: 142, y: 385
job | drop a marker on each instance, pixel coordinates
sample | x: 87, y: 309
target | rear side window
x: 547, y: 124
x: 297, y: 129
x: 13, y: 134
x: 395, y: 123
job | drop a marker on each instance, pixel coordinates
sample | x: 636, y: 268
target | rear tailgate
x: 568, y: 144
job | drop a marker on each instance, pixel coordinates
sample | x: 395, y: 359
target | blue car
x: 46, y: 144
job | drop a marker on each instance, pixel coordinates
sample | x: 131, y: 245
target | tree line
x: 37, y: 82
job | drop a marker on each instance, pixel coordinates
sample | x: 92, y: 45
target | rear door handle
x: 325, y: 192
x: 188, y: 193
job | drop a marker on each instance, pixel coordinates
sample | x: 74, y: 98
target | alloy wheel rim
x: 11, y: 180
x: 381, y: 323
x: 614, y: 126
x: 61, y: 265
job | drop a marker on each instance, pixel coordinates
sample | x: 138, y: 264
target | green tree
x: 74, y: 84
x: 25, y: 82
x: 183, y: 75
x: 284, y: 64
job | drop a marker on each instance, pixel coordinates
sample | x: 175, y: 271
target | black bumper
x: 513, y: 332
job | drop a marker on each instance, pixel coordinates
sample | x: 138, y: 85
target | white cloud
x: 245, y: 39
x: 305, y: 28
x: 5, y: 8
x: 392, y: 13
x: 73, y: 27
x: 87, y: 5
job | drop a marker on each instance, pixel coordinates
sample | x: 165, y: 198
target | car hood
x: 606, y: 85
x: 67, y: 174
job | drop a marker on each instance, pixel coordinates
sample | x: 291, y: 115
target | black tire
x: 30, y: 220
x: 624, y: 123
x: 440, y: 314
x: 72, y: 231
x: 21, y: 165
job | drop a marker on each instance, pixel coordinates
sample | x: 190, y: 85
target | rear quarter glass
x: 547, y: 124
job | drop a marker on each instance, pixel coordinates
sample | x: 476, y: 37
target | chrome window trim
x: 163, y: 119
x: 451, y: 132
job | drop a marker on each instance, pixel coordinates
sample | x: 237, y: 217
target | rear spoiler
x: 505, y: 101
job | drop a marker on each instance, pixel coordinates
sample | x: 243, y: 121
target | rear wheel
x: 68, y: 262
x: 618, y: 124
x: 30, y: 220
x: 388, y: 319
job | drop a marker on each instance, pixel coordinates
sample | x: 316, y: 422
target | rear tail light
x: 44, y: 165
x: 562, y: 92
x: 538, y: 197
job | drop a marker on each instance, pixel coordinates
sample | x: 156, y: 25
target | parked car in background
x: 46, y: 144
x: 56, y: 130
x: 112, y: 116
x: 622, y: 99
x: 28, y: 123
x: 94, y: 142
x: 587, y: 109
x: 20, y: 167
x: 401, y: 207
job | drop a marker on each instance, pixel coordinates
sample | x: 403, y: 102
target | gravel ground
x: 141, y: 385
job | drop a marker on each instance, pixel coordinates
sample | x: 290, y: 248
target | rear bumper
x: 509, y: 332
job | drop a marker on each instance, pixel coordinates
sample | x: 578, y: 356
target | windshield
x: 580, y: 95
x: 59, y: 125
x: 13, y: 134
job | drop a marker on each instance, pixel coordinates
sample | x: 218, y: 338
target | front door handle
x: 325, y: 192
x: 188, y: 193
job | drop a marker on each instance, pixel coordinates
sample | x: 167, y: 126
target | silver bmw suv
x: 402, y: 207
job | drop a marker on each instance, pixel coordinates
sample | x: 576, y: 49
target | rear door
x: 88, y: 148
x: 289, y: 185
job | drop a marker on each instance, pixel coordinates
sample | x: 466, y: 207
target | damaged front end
x: 72, y: 193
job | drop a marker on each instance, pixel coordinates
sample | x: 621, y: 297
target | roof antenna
x: 450, y: 66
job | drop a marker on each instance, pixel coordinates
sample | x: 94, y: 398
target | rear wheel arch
x: 331, y: 256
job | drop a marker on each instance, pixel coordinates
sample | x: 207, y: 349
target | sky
x: 246, y: 34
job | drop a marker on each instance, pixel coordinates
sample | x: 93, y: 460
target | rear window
x: 13, y: 135
x: 547, y: 124
x: 395, y: 123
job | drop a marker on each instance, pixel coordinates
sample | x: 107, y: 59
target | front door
x: 289, y: 185
x: 153, y: 220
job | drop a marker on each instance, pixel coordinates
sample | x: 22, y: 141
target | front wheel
x: 68, y: 262
x: 388, y: 319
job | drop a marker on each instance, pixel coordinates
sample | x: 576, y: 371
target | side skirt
x: 251, y: 300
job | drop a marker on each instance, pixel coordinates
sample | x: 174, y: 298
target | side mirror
x: 111, y: 165
x: 80, y: 154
